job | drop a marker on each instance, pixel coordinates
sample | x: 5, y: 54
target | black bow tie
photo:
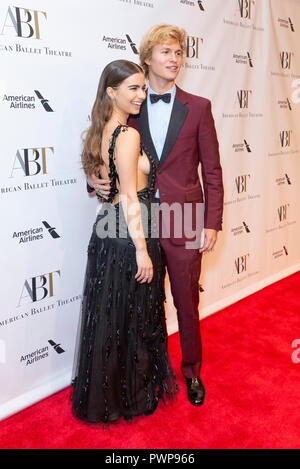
x: 156, y: 97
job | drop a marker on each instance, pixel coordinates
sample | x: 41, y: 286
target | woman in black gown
x: 121, y: 366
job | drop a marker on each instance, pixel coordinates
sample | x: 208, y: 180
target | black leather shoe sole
x: 196, y: 402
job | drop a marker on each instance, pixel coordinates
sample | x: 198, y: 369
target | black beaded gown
x: 121, y: 366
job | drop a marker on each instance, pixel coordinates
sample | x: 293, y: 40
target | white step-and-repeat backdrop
x: 241, y: 54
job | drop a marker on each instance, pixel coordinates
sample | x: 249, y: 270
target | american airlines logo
x: 245, y: 59
x: 132, y: 44
x: 35, y: 356
x: 280, y: 252
x: 243, y: 228
x: 58, y: 349
x: 39, y: 354
x: 44, y: 102
x: 192, y: 3
x: 34, y: 233
x: 285, y: 104
x: 120, y: 43
x: 51, y: 230
x: 239, y: 147
x: 284, y: 180
x: 25, y: 101
x: 286, y: 23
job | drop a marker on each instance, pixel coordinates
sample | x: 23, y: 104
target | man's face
x: 165, y: 61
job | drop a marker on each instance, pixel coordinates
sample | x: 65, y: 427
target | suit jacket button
x: 159, y: 171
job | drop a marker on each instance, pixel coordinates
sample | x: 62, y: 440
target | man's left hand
x: 210, y: 238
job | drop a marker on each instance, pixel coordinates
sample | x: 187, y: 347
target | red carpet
x: 252, y: 389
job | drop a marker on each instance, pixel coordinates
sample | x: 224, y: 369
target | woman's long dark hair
x: 112, y: 76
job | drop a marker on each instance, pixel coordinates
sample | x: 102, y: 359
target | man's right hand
x: 102, y: 185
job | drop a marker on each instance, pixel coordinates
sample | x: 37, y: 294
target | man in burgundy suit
x: 178, y: 130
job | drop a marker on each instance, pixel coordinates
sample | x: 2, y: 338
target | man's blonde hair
x: 159, y: 34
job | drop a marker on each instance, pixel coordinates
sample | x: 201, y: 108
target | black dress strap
x: 113, y: 175
x: 151, y: 178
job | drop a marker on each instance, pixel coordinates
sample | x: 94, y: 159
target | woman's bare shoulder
x: 128, y: 138
x: 128, y: 132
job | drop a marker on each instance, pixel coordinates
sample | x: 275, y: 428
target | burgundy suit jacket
x: 191, y: 138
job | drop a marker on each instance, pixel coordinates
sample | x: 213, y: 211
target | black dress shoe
x: 195, y: 391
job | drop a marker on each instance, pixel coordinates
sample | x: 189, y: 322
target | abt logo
x: 42, y: 284
x: 32, y: 161
x: 241, y: 263
x: 23, y: 21
x: 192, y: 46
x: 241, y: 183
x: 282, y: 212
x: 246, y: 8
x: 285, y: 138
x: 243, y: 98
x: 286, y: 59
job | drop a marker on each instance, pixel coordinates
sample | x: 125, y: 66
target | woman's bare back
x: 143, y: 168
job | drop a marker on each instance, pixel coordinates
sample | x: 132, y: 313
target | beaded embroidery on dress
x: 121, y: 366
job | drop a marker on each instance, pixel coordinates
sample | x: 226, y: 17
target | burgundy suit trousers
x: 184, y: 267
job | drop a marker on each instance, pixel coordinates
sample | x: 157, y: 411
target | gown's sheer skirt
x: 121, y: 366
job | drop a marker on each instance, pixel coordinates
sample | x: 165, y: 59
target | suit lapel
x: 143, y: 126
x: 178, y: 115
